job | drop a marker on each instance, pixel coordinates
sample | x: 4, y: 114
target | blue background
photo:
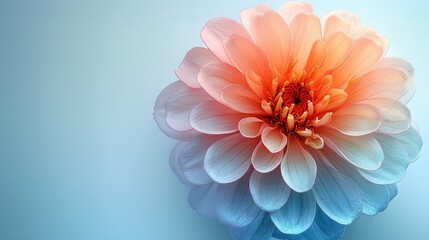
x: 80, y: 155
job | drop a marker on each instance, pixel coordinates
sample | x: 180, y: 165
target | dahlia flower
x: 290, y: 126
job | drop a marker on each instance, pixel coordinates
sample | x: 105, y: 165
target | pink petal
x: 228, y: 159
x: 273, y: 139
x: 214, y: 77
x: 219, y: 29
x: 364, y: 55
x: 337, y: 49
x: 214, y: 118
x: 341, y: 21
x: 251, y: 127
x: 246, y: 15
x: 191, y: 64
x: 306, y: 30
x: 167, y: 97
x: 298, y: 167
x: 247, y: 57
x: 290, y: 9
x: 241, y: 99
x: 356, y: 120
x: 265, y: 161
x: 271, y: 33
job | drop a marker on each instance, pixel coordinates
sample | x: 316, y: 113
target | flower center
x: 297, y: 94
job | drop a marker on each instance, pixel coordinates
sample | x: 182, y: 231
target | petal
x: 219, y: 29
x: 160, y: 112
x: 246, y: 15
x: 229, y: 158
x: 392, y: 169
x: 246, y: 56
x: 261, y: 228
x: 241, y: 99
x: 298, y: 167
x: 336, y: 195
x: 265, y: 161
x: 191, y: 64
x: 234, y: 205
x: 361, y: 151
x: 191, y: 159
x: 269, y: 191
x: 396, y: 116
x: 375, y: 197
x: 341, y: 21
x: 250, y: 127
x: 213, y: 77
x: 324, y: 228
x: 273, y: 139
x: 174, y: 162
x: 297, y: 214
x: 271, y: 34
x: 384, y: 82
x: 356, y: 120
x: 179, y: 106
x: 290, y: 9
x: 363, y: 56
x: 337, y: 49
x: 411, y: 141
x: 214, y: 118
x: 201, y: 198
x: 307, y: 30
x: 392, y: 189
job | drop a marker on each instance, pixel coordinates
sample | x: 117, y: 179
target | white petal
x: 191, y: 159
x: 265, y: 161
x: 229, y: 158
x: 250, y: 127
x: 356, y: 119
x: 361, y: 151
x: 298, y: 167
x: 214, y: 118
x: 396, y: 116
x: 395, y: 162
x: 297, y: 214
x: 191, y: 64
x: 269, y: 191
x: 273, y: 139
x: 411, y: 141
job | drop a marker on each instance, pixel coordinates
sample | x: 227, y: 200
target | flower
x: 289, y: 126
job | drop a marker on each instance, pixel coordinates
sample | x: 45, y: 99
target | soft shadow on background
x: 80, y: 155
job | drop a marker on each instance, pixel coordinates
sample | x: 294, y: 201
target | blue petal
x: 269, y: 190
x: 395, y: 162
x: 336, y: 195
x: 234, y: 205
x: 174, y: 161
x: 393, y: 190
x: 323, y: 228
x: 375, y: 197
x: 412, y: 143
x: 191, y: 160
x: 201, y: 198
x: 260, y: 229
x: 297, y: 214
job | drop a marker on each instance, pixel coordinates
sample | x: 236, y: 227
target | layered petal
x: 274, y: 139
x: 411, y: 141
x: 251, y: 127
x: 234, y: 205
x: 228, y: 159
x: 297, y: 214
x: 290, y: 9
x: 356, y: 120
x: 192, y: 63
x: 214, y: 118
x: 269, y: 191
x: 241, y: 99
x: 298, y: 167
x: 202, y: 199
x: 265, y: 161
x: 218, y: 30
x: 336, y: 195
x: 260, y: 228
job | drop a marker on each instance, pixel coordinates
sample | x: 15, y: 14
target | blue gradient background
x: 80, y: 155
